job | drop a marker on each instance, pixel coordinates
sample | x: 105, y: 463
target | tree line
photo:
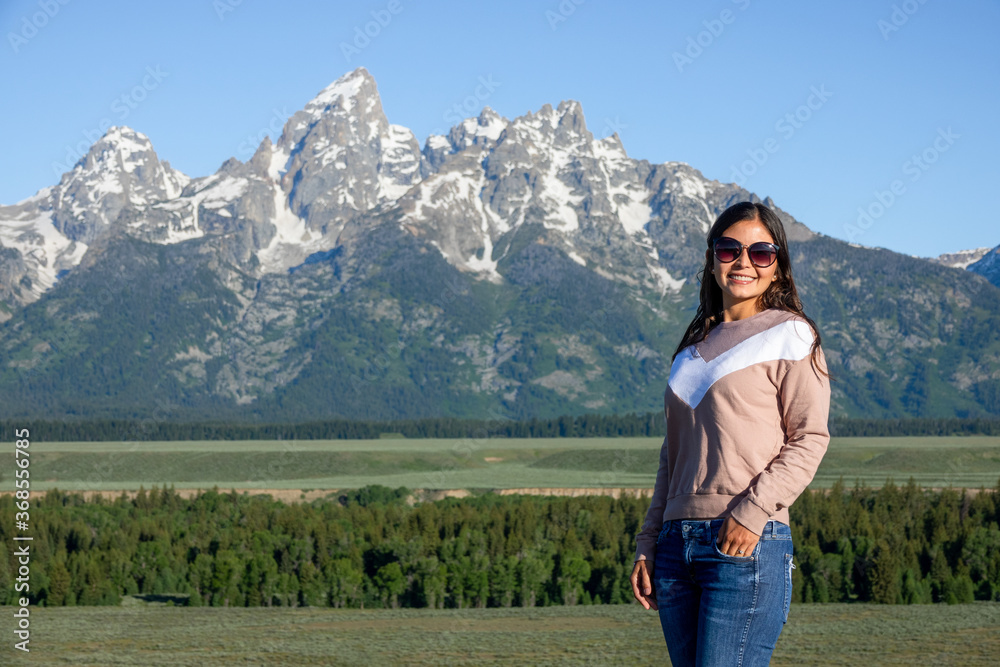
x: 373, y: 548
x: 650, y: 424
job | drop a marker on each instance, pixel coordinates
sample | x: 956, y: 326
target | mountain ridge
x: 513, y: 266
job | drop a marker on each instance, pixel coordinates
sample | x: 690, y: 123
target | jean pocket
x: 664, y: 531
x: 789, y: 566
x: 743, y: 560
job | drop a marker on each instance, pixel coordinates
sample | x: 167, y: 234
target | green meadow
x: 489, y: 463
x: 816, y: 634
x: 152, y: 633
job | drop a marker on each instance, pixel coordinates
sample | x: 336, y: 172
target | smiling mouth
x: 742, y: 280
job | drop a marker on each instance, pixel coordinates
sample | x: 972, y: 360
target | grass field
x: 150, y: 634
x: 830, y: 634
x: 969, y: 461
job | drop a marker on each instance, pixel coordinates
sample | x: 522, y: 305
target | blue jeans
x: 717, y: 609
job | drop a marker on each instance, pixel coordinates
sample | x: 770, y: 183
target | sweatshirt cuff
x: 751, y: 516
x: 645, y: 551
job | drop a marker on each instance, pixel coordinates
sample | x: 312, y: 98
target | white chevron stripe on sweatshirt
x: 691, y: 376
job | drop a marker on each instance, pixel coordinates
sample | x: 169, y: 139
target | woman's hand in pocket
x: 734, y: 538
x: 642, y: 584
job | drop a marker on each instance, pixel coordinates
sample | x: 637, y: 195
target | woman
x: 747, y: 404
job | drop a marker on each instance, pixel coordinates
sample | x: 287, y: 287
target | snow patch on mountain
x: 213, y: 193
x: 485, y: 265
x: 293, y: 242
x: 690, y: 186
x: 400, y: 164
x: 223, y: 193
x: 121, y: 151
x: 988, y: 265
x: 610, y: 151
x: 489, y: 125
x: 42, y: 196
x: 448, y: 209
x: 342, y: 93
x: 42, y: 246
x: 664, y: 280
x: 558, y: 196
x: 630, y: 201
x: 961, y: 259
x: 278, y: 164
x: 438, y: 142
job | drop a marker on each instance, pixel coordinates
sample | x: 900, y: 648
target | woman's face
x: 741, y: 281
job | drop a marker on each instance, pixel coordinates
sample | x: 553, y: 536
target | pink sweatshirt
x: 746, y: 426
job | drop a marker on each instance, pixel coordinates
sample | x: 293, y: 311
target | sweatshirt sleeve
x: 651, y: 526
x: 804, y: 395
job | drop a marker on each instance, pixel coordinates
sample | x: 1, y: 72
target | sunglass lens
x: 762, y: 254
x: 726, y: 250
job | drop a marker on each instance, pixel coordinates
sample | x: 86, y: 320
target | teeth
x: 740, y: 279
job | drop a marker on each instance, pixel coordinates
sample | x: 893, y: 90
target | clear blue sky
x: 226, y: 76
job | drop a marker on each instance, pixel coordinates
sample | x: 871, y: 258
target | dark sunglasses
x: 761, y: 254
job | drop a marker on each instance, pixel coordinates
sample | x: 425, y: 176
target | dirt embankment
x: 286, y: 495
x: 579, y: 491
x: 416, y: 495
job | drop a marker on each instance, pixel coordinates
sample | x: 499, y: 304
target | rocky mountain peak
x: 561, y: 129
x: 120, y: 170
x: 123, y: 150
x: 483, y: 131
x: 260, y: 163
x: 339, y: 156
x: 121, y: 144
x: 351, y: 100
x: 988, y: 265
x: 571, y: 119
x: 338, y: 160
x: 357, y: 86
x: 611, y: 146
x: 961, y: 259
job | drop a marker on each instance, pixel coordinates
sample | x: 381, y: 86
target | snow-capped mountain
x: 521, y: 267
x: 988, y: 265
x: 983, y: 261
x: 961, y: 259
x: 52, y: 229
x: 339, y: 159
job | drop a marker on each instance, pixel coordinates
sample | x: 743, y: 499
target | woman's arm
x: 645, y: 553
x: 804, y: 394
x: 653, y: 523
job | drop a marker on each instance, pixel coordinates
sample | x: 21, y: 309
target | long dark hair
x: 781, y: 293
